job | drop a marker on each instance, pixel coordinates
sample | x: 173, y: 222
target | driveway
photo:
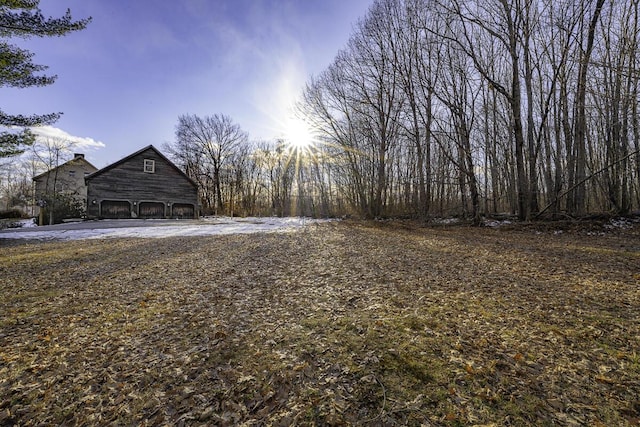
x: 156, y: 228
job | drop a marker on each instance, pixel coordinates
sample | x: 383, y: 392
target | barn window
x: 149, y: 166
x: 72, y: 173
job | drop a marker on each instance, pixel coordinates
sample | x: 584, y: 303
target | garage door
x: 115, y: 209
x: 151, y: 210
x: 183, y: 210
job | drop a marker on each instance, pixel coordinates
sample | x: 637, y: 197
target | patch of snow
x: 495, y: 223
x: 446, y: 220
x: 205, y: 227
x: 27, y: 223
x: 18, y: 223
x: 622, y: 223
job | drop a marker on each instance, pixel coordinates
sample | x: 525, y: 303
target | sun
x: 298, y: 134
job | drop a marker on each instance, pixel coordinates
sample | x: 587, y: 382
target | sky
x: 124, y: 80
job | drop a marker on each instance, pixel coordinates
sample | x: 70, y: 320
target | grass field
x: 340, y: 324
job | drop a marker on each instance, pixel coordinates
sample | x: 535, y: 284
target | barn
x: 144, y: 184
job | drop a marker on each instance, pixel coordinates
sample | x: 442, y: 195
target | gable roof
x: 130, y: 156
x: 76, y: 159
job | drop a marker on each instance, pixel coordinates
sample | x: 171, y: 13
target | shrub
x: 12, y: 213
x: 64, y: 206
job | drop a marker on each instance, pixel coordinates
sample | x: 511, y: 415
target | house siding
x: 64, y: 181
x: 126, y: 181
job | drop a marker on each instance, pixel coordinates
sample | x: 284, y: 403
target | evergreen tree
x: 23, y: 18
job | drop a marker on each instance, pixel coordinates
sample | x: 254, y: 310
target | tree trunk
x: 578, y: 195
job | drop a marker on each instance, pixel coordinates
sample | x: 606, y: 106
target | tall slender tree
x: 577, y: 197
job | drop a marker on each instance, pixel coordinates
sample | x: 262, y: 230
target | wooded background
x: 438, y: 108
x: 448, y: 108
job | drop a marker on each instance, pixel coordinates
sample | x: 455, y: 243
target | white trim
x: 149, y: 166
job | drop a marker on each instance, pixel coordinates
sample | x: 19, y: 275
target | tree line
x: 237, y: 176
x: 451, y: 107
x: 447, y: 107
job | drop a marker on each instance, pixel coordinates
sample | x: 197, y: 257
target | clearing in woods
x: 338, y: 324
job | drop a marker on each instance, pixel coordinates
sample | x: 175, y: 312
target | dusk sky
x: 123, y: 82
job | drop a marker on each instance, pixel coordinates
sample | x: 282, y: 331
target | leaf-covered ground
x: 340, y: 324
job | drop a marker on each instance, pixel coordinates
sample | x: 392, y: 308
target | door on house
x: 151, y: 210
x: 115, y: 209
x: 182, y: 210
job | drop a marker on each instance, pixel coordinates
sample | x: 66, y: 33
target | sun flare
x: 298, y: 135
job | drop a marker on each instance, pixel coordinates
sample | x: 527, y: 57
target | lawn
x: 340, y: 324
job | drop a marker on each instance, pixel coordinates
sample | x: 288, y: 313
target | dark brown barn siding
x: 146, y: 192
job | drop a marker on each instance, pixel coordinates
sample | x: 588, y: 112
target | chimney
x: 78, y: 156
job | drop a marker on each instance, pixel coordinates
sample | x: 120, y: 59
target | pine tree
x: 23, y: 19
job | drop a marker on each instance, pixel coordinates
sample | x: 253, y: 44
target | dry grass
x: 341, y: 324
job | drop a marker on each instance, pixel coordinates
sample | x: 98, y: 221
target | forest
x: 439, y: 108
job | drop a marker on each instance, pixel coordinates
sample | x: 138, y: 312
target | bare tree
x: 206, y: 146
x: 551, y: 93
x: 48, y: 154
x: 577, y: 198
